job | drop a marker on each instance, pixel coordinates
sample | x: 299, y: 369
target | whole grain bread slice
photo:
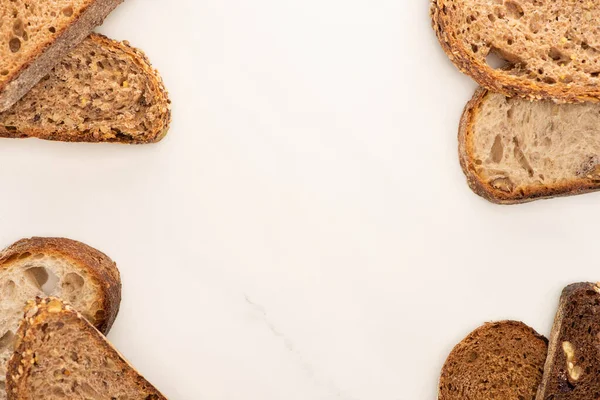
x: 551, y: 49
x: 103, y: 91
x: 59, y: 355
x: 37, y: 34
x: 499, y: 360
x: 515, y: 151
x: 85, y: 277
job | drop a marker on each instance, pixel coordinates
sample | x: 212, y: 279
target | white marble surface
x: 304, y: 232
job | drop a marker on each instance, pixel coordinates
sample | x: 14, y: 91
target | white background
x: 304, y: 232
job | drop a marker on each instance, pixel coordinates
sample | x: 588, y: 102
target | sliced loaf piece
x: 551, y: 49
x: 500, y: 360
x: 59, y: 355
x: 103, y: 91
x: 572, y: 370
x: 80, y: 274
x: 36, y: 34
x: 515, y: 151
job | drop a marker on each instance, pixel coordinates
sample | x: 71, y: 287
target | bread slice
x: 36, y: 34
x: 83, y: 276
x: 59, y: 355
x: 551, y: 49
x: 499, y: 360
x: 572, y: 369
x: 103, y: 91
x: 515, y: 151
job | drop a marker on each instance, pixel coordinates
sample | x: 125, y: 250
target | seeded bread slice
x: 36, y: 34
x: 572, y: 369
x: 78, y: 273
x: 103, y: 91
x: 551, y: 49
x: 515, y: 151
x: 500, y: 360
x: 59, y: 355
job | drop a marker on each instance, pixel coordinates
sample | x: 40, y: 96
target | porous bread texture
x: 514, y: 150
x: 46, y: 266
x: 551, y: 48
x: 573, y: 364
x: 500, y: 360
x: 60, y: 355
x: 34, y: 35
x: 103, y: 91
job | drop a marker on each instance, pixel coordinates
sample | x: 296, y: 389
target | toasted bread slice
x: 572, y: 369
x: 551, y: 49
x: 37, y: 34
x: 78, y: 273
x: 103, y: 91
x: 500, y: 360
x: 515, y: 151
x: 59, y: 355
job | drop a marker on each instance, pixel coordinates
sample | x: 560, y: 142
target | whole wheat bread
x: 59, y: 355
x: 514, y: 151
x: 103, y: 91
x: 500, y: 360
x: 80, y: 274
x: 551, y: 48
x: 37, y: 34
x: 572, y: 369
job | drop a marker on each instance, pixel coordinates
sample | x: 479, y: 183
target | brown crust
x: 159, y: 91
x: 100, y: 268
x: 21, y: 363
x: 520, y: 195
x: 38, y: 66
x: 445, y: 374
x: 498, y: 80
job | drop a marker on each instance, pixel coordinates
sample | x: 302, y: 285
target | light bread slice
x: 572, y: 370
x: 80, y: 274
x: 59, y: 355
x: 551, y: 49
x: 500, y: 360
x: 38, y: 33
x: 103, y: 91
x: 515, y: 151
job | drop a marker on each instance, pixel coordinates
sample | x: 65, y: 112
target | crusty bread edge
x: 499, y: 80
x: 159, y: 91
x: 36, y: 312
x: 554, y: 345
x: 100, y: 268
x: 37, y: 67
x: 474, y: 333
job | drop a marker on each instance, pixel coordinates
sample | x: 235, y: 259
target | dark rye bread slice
x: 515, y: 151
x: 551, y: 48
x: 59, y: 355
x: 500, y: 360
x: 572, y: 370
x: 103, y: 91
x: 36, y: 34
x: 85, y: 277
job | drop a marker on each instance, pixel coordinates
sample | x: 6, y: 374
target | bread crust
x: 499, y: 80
x: 99, y: 267
x: 159, y: 92
x: 36, y: 314
x: 521, y: 195
x: 38, y: 66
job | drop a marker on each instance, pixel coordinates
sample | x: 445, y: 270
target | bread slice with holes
x: 551, y: 49
x: 499, y: 360
x: 59, y: 355
x: 515, y: 151
x: 80, y: 274
x: 37, y: 34
x: 103, y: 91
